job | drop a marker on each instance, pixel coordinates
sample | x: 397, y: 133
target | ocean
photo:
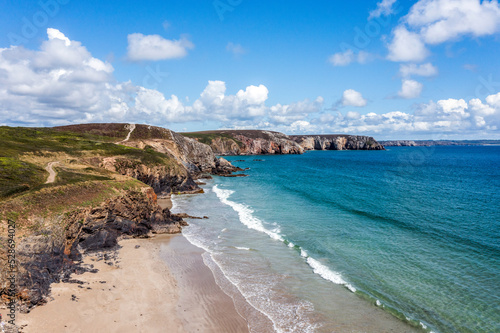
x: 406, y: 239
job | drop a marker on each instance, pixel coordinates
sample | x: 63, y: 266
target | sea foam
x: 252, y: 222
x: 245, y: 214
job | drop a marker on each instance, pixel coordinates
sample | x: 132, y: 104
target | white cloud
x: 342, y: 58
x: 61, y: 83
x: 155, y: 47
x: 285, y: 114
x: 352, y: 97
x: 422, y: 70
x: 406, y: 46
x: 439, y: 21
x: 384, y: 7
x: 431, y: 22
x: 410, y: 89
x: 347, y: 57
x: 56, y: 34
x: 235, y: 49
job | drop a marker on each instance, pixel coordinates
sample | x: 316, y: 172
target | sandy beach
x: 135, y: 291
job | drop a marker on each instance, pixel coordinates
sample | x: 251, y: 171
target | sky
x: 392, y: 69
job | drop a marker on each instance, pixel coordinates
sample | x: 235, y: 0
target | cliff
x: 197, y: 158
x: 107, y: 177
x: 103, y: 186
x: 337, y: 142
x: 246, y: 142
x: 427, y: 143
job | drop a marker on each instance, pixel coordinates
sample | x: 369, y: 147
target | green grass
x: 17, y: 176
x: 208, y: 137
x: 18, y: 140
x: 71, y: 177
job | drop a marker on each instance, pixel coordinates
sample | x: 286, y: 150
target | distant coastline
x: 428, y: 143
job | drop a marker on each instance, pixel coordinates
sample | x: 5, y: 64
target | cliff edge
x: 246, y: 142
x: 337, y: 142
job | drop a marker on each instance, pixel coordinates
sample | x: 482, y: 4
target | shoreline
x: 345, y: 311
x: 135, y: 290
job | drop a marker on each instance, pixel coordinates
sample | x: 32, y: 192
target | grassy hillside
x: 117, y: 132
x: 208, y: 136
x: 24, y: 153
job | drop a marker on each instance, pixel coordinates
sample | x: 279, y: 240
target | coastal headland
x: 85, y: 199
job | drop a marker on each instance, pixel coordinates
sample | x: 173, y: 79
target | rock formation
x: 53, y: 255
x: 337, y: 142
x: 247, y: 142
x: 164, y: 161
x: 399, y: 143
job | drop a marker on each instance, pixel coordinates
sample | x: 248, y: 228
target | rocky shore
x: 108, y: 178
x: 95, y: 200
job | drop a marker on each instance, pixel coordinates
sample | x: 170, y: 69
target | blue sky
x: 425, y: 69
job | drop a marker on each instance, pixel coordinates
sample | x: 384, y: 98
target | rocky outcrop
x: 53, y: 255
x: 247, y: 142
x: 337, y: 142
x: 399, y: 143
x: 163, y: 179
x: 196, y: 157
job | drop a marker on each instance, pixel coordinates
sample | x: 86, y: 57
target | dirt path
x: 131, y: 128
x: 52, y: 173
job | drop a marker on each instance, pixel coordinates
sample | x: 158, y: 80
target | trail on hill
x: 131, y: 128
x: 52, y: 173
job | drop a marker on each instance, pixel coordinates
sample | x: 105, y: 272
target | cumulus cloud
x: 235, y: 49
x: 347, y: 57
x: 451, y: 118
x: 56, y: 34
x: 422, y: 70
x: 62, y: 83
x: 295, y: 112
x: 352, y: 97
x: 384, y: 7
x: 407, y: 46
x: 155, y: 47
x: 410, y: 89
x: 431, y: 22
x: 439, y: 21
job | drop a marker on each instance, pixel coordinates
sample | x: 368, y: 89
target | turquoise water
x: 411, y: 231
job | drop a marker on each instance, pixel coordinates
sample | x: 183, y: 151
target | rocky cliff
x: 247, y: 142
x: 196, y: 157
x: 100, y: 194
x: 337, y: 142
x: 53, y: 253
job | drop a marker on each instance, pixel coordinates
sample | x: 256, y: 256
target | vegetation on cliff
x: 103, y: 190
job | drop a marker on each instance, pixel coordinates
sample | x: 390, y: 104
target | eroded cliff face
x: 54, y: 253
x: 52, y: 246
x: 197, y: 158
x: 337, y: 142
x: 164, y: 179
x: 249, y: 142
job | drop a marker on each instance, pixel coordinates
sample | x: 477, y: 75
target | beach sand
x: 165, y: 203
x: 139, y: 293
